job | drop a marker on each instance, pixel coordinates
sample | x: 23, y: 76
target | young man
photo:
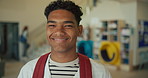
x: 63, y: 28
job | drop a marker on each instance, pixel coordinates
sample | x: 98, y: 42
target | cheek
x: 77, y: 32
x: 48, y: 33
x: 74, y: 34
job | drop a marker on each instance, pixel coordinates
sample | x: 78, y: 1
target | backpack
x: 23, y: 39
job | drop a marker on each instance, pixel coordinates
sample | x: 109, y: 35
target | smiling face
x: 62, y: 31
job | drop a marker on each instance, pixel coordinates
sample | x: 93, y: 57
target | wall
x: 111, y: 10
x: 142, y: 12
x: 105, y: 10
x: 26, y: 12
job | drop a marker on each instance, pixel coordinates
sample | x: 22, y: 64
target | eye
x: 51, y: 26
x: 68, y: 26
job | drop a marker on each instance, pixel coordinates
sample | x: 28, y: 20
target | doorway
x: 9, y: 40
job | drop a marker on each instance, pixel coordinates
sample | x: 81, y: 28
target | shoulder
x: 96, y: 64
x: 27, y: 69
x: 99, y: 70
x: 31, y: 64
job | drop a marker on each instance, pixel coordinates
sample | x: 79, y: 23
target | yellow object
x: 109, y: 52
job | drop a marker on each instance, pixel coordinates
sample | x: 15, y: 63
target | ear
x: 80, y: 30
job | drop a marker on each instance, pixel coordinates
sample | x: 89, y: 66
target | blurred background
x: 115, y: 34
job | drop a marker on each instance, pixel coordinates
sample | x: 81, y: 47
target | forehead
x: 61, y: 14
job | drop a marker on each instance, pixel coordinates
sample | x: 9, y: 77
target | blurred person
x: 63, y: 18
x: 24, y: 40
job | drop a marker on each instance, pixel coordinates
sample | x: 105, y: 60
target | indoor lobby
x: 115, y: 34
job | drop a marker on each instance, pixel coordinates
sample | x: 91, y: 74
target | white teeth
x: 60, y: 39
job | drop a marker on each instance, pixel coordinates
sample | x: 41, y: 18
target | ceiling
x: 131, y: 0
x: 84, y: 2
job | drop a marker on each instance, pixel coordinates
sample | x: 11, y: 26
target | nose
x: 59, y: 31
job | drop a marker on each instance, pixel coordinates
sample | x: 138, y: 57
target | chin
x: 59, y: 50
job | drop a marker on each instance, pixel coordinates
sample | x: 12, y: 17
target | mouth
x: 59, y: 40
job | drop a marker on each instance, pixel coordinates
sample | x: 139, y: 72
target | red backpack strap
x: 85, y: 66
x: 40, y: 65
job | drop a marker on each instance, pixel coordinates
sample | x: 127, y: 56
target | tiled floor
x: 12, y: 69
x: 133, y: 74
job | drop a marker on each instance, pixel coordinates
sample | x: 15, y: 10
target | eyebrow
x: 69, y: 22
x: 64, y: 22
x: 51, y: 21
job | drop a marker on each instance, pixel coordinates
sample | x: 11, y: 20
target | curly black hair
x: 65, y: 5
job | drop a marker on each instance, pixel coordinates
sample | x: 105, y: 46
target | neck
x: 63, y: 57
